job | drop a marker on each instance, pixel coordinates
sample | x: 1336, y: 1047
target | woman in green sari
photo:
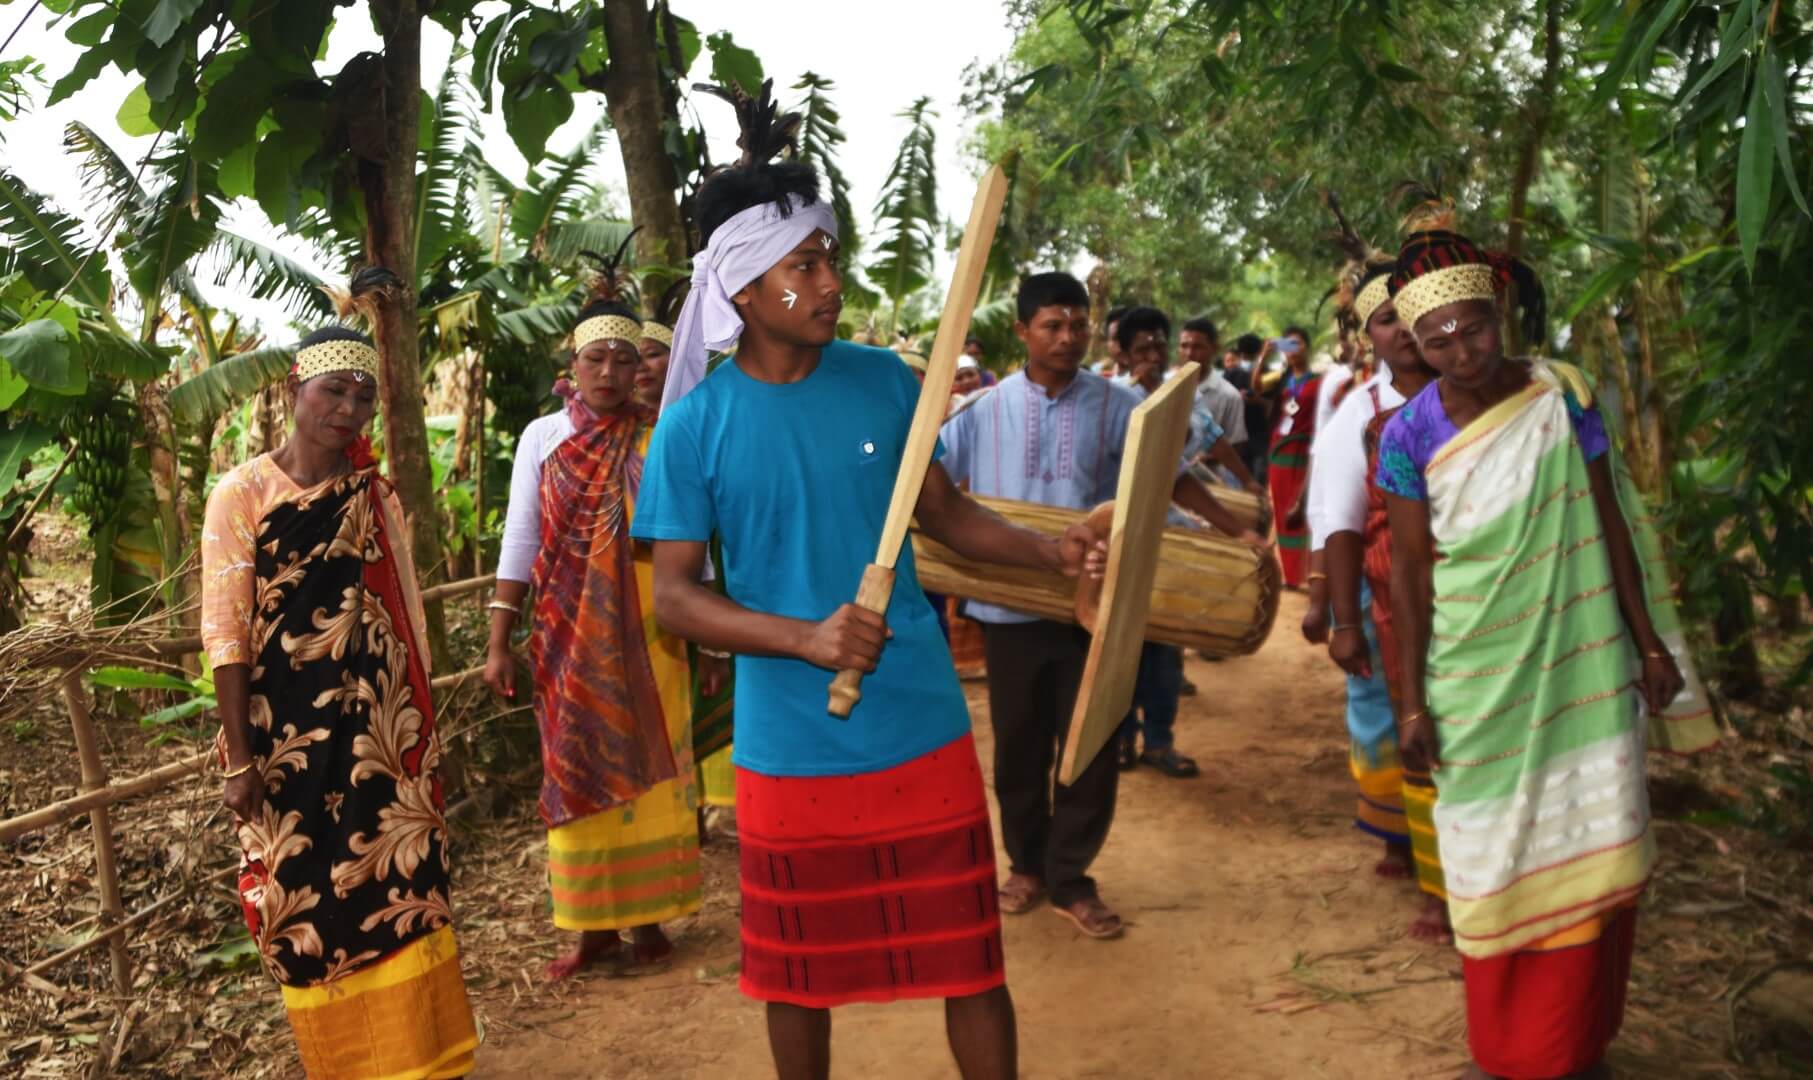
x: 1537, y: 636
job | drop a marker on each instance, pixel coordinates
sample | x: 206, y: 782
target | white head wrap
x: 742, y: 249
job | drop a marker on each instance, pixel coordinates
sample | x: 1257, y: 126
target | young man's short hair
x: 1203, y: 325
x: 1138, y: 321
x: 1300, y: 332
x: 1054, y: 289
x: 1249, y: 345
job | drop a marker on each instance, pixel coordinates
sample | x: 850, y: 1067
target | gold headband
x: 607, y: 328
x: 1374, y: 293
x: 344, y: 354
x: 654, y: 331
x: 1449, y: 285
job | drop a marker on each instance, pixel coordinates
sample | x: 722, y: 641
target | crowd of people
x: 690, y: 533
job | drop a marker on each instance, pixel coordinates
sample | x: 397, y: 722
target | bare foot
x: 594, y: 945
x: 651, y: 946
x: 1432, y: 925
x: 1396, y: 864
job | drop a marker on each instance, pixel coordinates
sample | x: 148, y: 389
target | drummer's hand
x: 1081, y: 550
x: 851, y: 638
x: 1315, y: 624
x: 1349, y: 650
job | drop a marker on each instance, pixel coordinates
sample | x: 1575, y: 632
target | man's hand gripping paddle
x: 934, y: 400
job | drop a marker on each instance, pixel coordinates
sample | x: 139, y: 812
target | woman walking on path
x: 1532, y: 648
x: 1348, y: 533
x: 612, y: 689
x: 312, y: 621
x: 1293, y: 427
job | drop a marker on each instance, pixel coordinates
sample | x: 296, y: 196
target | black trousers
x: 1051, y: 831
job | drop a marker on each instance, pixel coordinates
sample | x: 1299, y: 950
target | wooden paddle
x: 877, y: 586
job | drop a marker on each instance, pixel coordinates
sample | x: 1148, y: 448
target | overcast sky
x: 879, y: 68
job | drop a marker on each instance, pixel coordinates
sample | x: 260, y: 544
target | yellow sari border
x: 405, y: 1017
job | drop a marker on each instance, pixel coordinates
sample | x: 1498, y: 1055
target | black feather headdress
x: 765, y: 133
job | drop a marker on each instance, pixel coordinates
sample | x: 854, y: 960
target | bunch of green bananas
x: 103, y: 430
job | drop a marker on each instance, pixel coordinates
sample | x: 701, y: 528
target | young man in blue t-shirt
x: 867, y: 858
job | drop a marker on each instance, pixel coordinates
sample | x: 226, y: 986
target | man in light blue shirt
x: 1051, y: 434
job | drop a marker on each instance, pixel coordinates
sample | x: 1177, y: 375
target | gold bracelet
x: 505, y: 605
x: 1656, y: 655
x: 1413, y: 717
x: 716, y: 654
x: 246, y: 768
x: 1317, y: 575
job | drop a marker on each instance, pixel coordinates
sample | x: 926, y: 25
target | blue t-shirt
x: 796, y: 479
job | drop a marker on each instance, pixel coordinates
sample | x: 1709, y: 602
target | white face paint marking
x: 824, y: 241
x: 789, y: 296
x: 1449, y: 326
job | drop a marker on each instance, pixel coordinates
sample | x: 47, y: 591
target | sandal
x: 1020, y: 893
x: 1170, y: 762
x: 1126, y: 755
x: 1092, y: 918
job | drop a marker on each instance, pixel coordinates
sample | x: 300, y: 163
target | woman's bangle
x: 716, y: 654
x: 246, y: 768
x: 1413, y: 717
x: 1317, y: 575
x: 1347, y: 626
x: 505, y: 605
x: 1658, y: 655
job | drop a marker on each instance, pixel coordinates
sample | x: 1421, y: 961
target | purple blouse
x: 1421, y: 428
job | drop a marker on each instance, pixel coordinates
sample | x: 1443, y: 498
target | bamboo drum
x: 1211, y: 593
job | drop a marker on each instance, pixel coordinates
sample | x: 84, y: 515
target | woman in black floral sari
x: 312, y: 621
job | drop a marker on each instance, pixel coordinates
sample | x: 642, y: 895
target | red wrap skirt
x: 877, y: 887
x: 1554, y: 1009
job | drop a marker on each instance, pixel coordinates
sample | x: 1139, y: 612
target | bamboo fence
x: 99, y: 794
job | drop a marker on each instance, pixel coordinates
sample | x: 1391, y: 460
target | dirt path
x: 1229, y: 881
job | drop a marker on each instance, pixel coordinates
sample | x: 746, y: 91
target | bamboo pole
x: 107, y: 874
x: 144, y: 784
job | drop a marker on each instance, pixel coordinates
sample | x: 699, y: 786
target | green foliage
x: 820, y: 140
x: 908, y: 209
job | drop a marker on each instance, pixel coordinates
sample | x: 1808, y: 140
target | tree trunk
x: 634, y: 98
x: 175, y: 539
x: 388, y: 187
x: 1537, y: 111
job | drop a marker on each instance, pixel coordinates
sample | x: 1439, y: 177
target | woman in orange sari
x: 313, y: 623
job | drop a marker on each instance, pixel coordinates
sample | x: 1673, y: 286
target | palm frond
x: 908, y: 211
x: 264, y: 273
x: 440, y: 183
x: 538, y: 324
x: 104, y: 172
x: 51, y: 247
x: 556, y: 194
x: 174, y: 225
x: 566, y: 240
x: 820, y: 141
x: 110, y: 352
x: 202, y: 397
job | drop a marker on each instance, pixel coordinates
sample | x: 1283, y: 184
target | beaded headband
x: 1372, y: 294
x: 607, y: 328
x: 1449, y: 285
x: 343, y: 354
x: 654, y: 331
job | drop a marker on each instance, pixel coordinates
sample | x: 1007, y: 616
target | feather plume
x: 368, y: 290
x: 608, y: 277
x: 764, y: 131
x: 666, y: 309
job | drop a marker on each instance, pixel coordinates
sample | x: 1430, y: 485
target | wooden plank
x: 876, y: 588
x: 1155, y: 439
